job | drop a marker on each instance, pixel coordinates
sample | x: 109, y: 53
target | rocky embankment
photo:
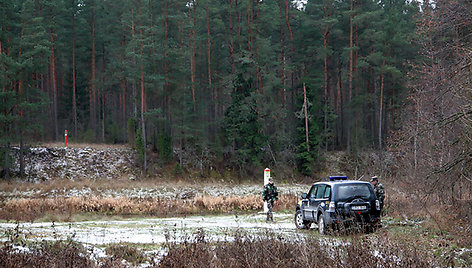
x: 45, y: 163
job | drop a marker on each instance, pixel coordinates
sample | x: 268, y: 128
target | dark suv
x: 338, y: 203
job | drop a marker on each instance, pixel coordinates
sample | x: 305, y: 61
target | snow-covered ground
x: 150, y: 233
x: 151, y: 230
x: 46, y: 163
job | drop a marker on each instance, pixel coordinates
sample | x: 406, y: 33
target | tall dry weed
x: 273, y: 250
x: 29, y: 209
x: 46, y: 254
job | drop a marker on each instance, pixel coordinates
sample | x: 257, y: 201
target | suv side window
x: 327, y: 193
x: 320, y: 192
x: 312, y: 191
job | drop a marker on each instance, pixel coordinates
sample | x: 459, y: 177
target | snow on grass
x: 150, y: 231
x: 160, y: 190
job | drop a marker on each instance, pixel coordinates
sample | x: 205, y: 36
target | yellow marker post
x: 266, y: 181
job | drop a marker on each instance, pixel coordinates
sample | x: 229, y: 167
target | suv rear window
x: 349, y: 191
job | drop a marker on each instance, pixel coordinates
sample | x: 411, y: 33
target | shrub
x: 140, y: 146
x: 270, y: 249
x: 46, y: 254
x: 164, y: 146
x: 126, y: 252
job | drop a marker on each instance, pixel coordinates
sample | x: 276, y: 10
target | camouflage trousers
x: 270, y: 206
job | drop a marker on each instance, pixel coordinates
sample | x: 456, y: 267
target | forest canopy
x: 245, y: 83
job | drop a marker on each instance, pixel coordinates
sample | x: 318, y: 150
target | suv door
x: 319, y: 201
x: 308, y: 210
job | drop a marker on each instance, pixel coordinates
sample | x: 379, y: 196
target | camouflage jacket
x: 270, y: 193
x: 379, y: 191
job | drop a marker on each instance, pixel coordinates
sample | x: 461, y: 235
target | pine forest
x: 238, y: 84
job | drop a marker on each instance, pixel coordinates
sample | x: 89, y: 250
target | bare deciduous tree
x: 434, y: 147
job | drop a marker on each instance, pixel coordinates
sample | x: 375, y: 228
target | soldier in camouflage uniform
x: 270, y: 195
x: 379, y: 190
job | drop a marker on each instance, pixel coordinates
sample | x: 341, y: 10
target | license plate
x: 358, y: 207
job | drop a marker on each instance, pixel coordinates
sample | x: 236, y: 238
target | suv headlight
x: 332, y: 207
x: 377, y: 204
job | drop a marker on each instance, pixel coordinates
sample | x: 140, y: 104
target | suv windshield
x: 350, y: 191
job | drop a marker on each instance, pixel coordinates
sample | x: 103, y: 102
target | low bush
x: 238, y: 249
x: 46, y: 254
x: 273, y: 250
x: 18, y: 251
x: 127, y: 252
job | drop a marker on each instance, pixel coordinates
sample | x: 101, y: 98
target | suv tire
x: 299, y: 222
x: 322, y: 226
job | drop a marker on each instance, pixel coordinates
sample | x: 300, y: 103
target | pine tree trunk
x: 143, y: 101
x: 103, y: 117
x: 74, y: 91
x: 238, y: 20
x: 231, y: 41
x: 340, y: 107
x: 92, y: 90
x: 305, y: 104
x: 165, y: 104
x: 53, y: 81
x: 292, y: 48
x: 282, y: 60
x: 103, y: 93
x: 382, y: 78
x: 248, y: 26
x: 351, y: 66
x: 133, y: 87
x: 208, y: 45
x: 143, y: 124
x: 192, y: 46
x: 211, y: 90
x: 123, y: 111
x: 325, y: 71
x: 287, y: 21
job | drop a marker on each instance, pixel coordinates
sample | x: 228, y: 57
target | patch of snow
x: 150, y: 231
x: 162, y: 191
x: 72, y: 163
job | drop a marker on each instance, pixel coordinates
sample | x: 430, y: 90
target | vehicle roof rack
x: 337, y: 178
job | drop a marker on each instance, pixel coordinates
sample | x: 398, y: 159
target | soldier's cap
x: 271, y: 179
x: 374, y: 178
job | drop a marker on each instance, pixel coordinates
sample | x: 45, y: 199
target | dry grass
x: 238, y: 249
x: 126, y: 252
x: 30, y: 209
x: 272, y: 250
x: 245, y: 203
x: 117, y: 184
x: 449, y: 224
x: 46, y: 254
x: 16, y: 252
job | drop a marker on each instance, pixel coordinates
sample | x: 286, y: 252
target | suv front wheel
x: 299, y: 222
